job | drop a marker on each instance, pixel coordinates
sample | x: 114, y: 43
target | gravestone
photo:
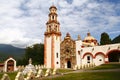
x: 75, y: 67
x: 19, y: 76
x: 48, y: 72
x: 30, y: 75
x: 55, y: 71
x: 40, y: 73
x: 5, y: 77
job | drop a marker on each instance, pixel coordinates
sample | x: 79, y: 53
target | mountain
x: 7, y: 50
x: 116, y: 39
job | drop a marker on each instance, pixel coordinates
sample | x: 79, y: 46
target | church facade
x: 69, y: 53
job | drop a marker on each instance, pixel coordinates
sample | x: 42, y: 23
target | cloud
x: 23, y: 22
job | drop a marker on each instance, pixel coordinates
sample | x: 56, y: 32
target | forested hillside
x: 11, y: 51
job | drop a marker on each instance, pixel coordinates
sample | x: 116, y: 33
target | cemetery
x: 78, y: 72
x: 33, y: 72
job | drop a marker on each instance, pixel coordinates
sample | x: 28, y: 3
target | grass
x: 11, y: 75
x: 89, y: 76
x: 59, y: 70
x: 111, y: 75
x: 108, y: 66
x: 64, y: 70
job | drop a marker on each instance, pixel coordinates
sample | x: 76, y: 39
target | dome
x: 90, y: 40
x: 89, y: 37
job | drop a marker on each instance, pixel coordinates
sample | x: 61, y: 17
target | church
x: 69, y: 53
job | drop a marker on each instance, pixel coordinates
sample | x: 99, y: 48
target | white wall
x: 94, y: 50
x: 48, y: 52
x: 78, y: 48
x: 57, y: 50
x: 100, y: 59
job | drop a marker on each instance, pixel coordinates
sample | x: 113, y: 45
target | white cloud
x: 22, y: 22
x: 79, y: 2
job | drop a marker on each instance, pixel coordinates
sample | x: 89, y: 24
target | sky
x: 23, y: 22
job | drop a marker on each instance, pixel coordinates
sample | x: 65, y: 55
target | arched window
x: 49, y: 28
x: 53, y: 17
x: 88, y: 59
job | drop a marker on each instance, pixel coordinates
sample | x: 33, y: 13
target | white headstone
x: 30, y: 75
x: 48, y: 72
x: 5, y: 77
x: 40, y: 73
x: 19, y: 76
x: 54, y: 71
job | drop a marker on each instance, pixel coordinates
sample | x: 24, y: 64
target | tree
x: 116, y: 40
x: 36, y: 52
x: 105, y: 39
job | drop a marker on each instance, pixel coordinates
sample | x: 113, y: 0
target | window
x: 57, y: 62
x: 49, y: 28
x: 88, y: 59
x: 53, y: 17
x: 57, y: 55
x: 100, y: 59
x: 79, y: 52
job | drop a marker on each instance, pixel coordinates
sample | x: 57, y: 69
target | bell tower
x: 52, y: 38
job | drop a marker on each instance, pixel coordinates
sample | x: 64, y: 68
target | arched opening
x: 114, y: 56
x: 10, y: 65
x: 68, y: 64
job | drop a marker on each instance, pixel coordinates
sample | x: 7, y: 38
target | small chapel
x: 68, y: 53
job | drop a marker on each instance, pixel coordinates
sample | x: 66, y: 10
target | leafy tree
x: 36, y: 52
x: 105, y: 39
x: 116, y: 39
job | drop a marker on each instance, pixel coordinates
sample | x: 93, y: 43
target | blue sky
x: 22, y: 22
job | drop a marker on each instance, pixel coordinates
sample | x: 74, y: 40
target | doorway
x: 69, y: 64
